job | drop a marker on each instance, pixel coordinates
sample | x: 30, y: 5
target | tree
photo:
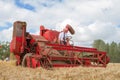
x: 113, y: 49
x: 99, y: 44
x: 4, y: 50
x: 107, y: 48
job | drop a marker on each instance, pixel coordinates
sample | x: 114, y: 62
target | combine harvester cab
x: 44, y: 50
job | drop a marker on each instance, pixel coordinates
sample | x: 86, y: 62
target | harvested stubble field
x: 8, y: 71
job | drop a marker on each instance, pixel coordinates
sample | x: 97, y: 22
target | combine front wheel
x: 26, y: 62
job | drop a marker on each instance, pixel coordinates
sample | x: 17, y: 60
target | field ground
x: 8, y: 71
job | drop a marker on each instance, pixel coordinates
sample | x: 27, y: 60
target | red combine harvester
x: 43, y: 50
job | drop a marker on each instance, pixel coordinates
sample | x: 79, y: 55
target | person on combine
x: 63, y: 37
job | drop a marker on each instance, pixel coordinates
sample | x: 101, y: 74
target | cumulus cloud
x: 6, y: 35
x: 96, y: 30
x: 91, y: 19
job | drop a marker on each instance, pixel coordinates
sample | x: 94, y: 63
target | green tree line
x: 112, y: 49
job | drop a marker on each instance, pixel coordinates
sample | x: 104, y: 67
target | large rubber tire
x: 24, y: 62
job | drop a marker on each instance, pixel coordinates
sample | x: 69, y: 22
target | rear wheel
x: 46, y: 62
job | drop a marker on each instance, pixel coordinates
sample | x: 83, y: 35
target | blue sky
x: 91, y: 19
x: 20, y: 4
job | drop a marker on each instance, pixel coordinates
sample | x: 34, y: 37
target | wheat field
x: 8, y: 71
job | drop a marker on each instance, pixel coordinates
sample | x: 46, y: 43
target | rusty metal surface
x: 18, y: 27
x: 39, y: 38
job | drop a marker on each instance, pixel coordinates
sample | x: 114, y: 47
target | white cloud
x: 61, y: 25
x: 91, y: 19
x: 6, y: 35
x: 97, y: 30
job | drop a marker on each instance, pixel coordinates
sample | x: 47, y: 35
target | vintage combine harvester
x: 43, y: 50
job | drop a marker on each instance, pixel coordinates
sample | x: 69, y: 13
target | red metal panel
x: 51, y: 35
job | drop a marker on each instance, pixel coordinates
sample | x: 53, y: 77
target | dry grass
x: 8, y: 71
